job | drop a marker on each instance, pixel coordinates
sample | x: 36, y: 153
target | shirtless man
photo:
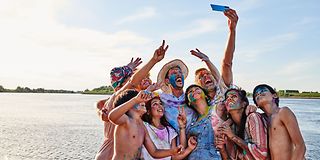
x: 130, y: 132
x: 285, y: 139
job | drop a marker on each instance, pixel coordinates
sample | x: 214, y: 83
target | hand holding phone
x: 219, y: 7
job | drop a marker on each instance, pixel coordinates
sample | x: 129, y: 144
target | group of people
x: 211, y: 119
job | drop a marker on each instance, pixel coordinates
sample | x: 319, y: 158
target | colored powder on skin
x: 136, y: 106
x: 172, y: 80
x: 191, y: 98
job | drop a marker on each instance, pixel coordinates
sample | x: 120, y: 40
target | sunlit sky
x: 73, y: 44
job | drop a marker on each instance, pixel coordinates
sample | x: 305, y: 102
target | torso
x: 171, y: 105
x: 279, y: 140
x: 130, y: 141
x: 203, y: 130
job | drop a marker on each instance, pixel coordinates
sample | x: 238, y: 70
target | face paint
x: 172, y: 80
x: 233, y: 100
x: 191, y: 97
x: 136, y: 106
x: 260, y: 91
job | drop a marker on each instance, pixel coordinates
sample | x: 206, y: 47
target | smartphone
x: 219, y: 7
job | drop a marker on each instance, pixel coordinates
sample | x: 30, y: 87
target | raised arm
x: 290, y: 121
x: 118, y: 116
x: 157, y: 57
x: 227, y: 74
x: 213, y: 69
x: 182, y: 121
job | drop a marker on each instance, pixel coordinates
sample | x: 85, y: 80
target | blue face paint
x: 172, y: 80
x: 136, y: 106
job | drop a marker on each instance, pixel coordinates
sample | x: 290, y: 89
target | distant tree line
x: 294, y: 94
x: 100, y: 90
x: 37, y: 90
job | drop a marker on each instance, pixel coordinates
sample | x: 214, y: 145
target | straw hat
x: 162, y: 74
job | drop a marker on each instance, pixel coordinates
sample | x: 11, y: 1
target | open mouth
x: 208, y: 82
x: 179, y: 80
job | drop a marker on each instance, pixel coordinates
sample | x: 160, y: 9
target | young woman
x: 249, y: 134
x: 160, y: 131
x: 201, y: 127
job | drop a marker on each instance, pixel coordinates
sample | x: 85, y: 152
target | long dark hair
x: 243, y: 96
x: 187, y: 102
x: 147, y: 117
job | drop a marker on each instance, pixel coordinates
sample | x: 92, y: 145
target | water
x: 65, y: 126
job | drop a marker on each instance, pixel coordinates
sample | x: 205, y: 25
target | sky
x: 73, y: 44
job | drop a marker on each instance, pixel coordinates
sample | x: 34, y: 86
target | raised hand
x: 192, y: 142
x: 153, y: 87
x: 200, y: 55
x: 143, y: 96
x: 226, y: 130
x: 134, y: 64
x: 232, y: 18
x: 182, y: 117
x: 160, y: 52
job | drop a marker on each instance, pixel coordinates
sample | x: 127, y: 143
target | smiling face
x: 157, y: 110
x: 233, y: 101
x: 206, y: 80
x: 175, y: 78
x: 145, y: 83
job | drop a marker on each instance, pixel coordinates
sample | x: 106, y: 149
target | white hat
x: 164, y: 70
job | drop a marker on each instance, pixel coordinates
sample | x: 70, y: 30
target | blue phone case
x: 219, y: 7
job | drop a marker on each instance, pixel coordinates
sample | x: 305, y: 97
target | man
x: 211, y: 80
x: 285, y: 139
x: 120, y: 80
x: 171, y: 80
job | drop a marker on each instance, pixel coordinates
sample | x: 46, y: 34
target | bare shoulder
x: 286, y: 114
x: 285, y: 111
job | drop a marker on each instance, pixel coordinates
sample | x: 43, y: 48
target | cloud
x: 39, y: 51
x: 145, y: 13
x: 198, y: 27
x: 251, y: 52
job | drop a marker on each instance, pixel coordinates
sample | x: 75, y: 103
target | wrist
x: 182, y: 127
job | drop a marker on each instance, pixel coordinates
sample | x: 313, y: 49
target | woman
x: 250, y: 132
x: 201, y: 127
x: 160, y: 131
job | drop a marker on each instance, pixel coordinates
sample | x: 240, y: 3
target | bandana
x: 119, y: 74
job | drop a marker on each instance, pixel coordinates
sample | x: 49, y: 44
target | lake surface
x: 66, y: 126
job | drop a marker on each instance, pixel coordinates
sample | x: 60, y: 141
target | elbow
x: 111, y: 117
x: 303, y: 148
